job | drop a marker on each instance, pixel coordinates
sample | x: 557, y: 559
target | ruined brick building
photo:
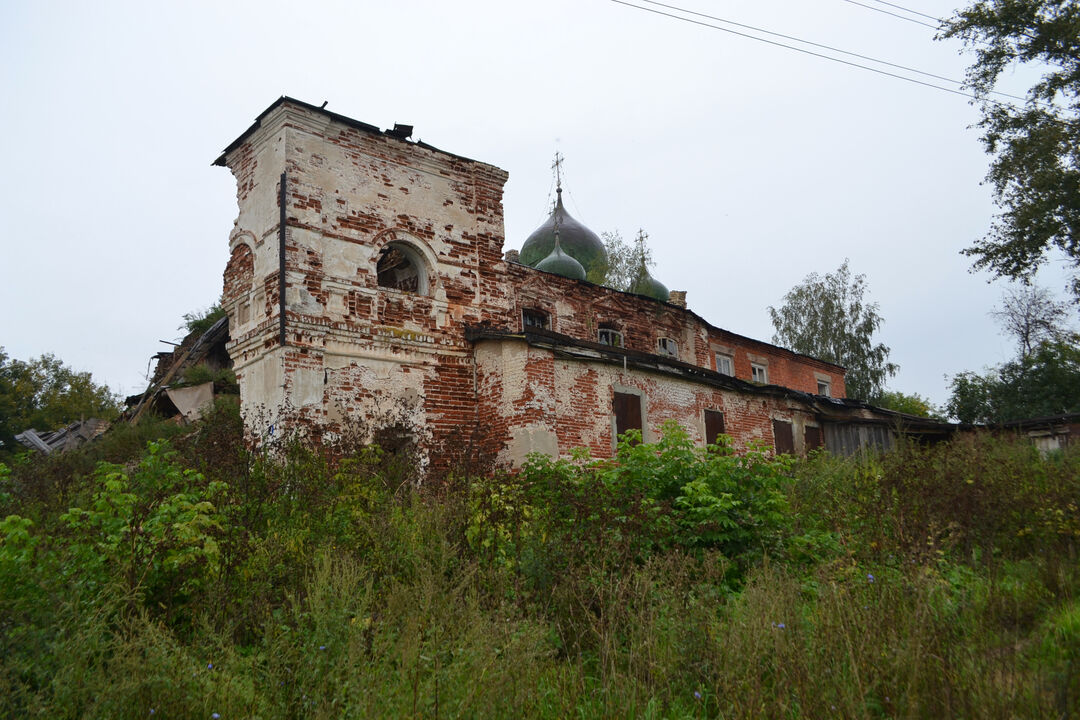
x: 367, y: 283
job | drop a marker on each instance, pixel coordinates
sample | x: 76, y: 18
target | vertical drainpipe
x: 281, y: 260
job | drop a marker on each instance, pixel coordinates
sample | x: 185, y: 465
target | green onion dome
x: 578, y: 241
x: 646, y: 284
x: 560, y: 263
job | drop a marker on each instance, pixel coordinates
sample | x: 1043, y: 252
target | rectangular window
x: 714, y: 426
x: 667, y: 346
x: 627, y: 410
x: 535, y: 319
x: 607, y: 336
x: 813, y: 438
x: 783, y: 438
x: 724, y: 364
x: 824, y: 387
x: 759, y: 373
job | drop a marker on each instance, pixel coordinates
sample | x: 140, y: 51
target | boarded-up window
x: 783, y: 437
x: 813, y: 438
x: 714, y: 426
x: 627, y: 410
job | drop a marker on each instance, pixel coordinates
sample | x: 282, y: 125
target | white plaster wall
x: 262, y: 393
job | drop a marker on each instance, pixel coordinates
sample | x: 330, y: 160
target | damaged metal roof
x: 67, y: 438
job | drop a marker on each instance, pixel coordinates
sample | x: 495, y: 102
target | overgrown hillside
x: 187, y: 578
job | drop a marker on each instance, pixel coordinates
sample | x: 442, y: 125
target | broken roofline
x: 1038, y: 422
x: 343, y: 119
x: 566, y: 346
x: 372, y: 129
x: 703, y: 321
x: 571, y: 348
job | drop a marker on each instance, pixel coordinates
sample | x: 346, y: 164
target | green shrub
x: 979, y: 496
x: 1059, y: 657
x: 154, y: 530
x: 224, y: 379
x: 558, y: 513
x: 200, y: 577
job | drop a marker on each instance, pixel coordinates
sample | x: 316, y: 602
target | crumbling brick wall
x: 391, y: 250
x: 538, y: 403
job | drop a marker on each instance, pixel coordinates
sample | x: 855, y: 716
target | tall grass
x: 197, y: 578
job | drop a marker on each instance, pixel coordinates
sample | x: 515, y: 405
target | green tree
x: 625, y: 260
x: 45, y: 394
x: 1041, y: 383
x: 1043, y: 379
x: 1031, y: 316
x: 972, y: 399
x: 1035, y: 170
x: 913, y: 404
x: 826, y: 317
x: 199, y: 321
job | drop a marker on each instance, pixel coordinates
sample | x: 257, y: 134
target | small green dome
x: 646, y: 284
x: 578, y: 241
x: 560, y: 263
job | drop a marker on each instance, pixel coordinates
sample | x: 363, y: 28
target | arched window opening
x: 400, y: 268
x: 608, y: 334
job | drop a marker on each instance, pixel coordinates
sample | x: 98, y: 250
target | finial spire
x: 557, y: 167
x: 642, y: 236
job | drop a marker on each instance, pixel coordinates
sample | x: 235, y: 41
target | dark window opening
x: 399, y: 456
x: 667, y: 346
x: 398, y: 271
x: 627, y: 410
x: 714, y: 426
x: 535, y: 319
x: 608, y: 334
x: 783, y: 438
x: 813, y: 438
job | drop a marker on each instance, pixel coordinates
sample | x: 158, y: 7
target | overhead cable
x: 804, y: 51
x: 896, y: 15
x: 908, y: 10
x: 816, y: 44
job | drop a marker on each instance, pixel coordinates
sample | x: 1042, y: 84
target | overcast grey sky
x: 748, y: 165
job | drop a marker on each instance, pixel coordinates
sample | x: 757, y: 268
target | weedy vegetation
x: 172, y: 573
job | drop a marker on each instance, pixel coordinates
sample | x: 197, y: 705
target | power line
x: 810, y: 43
x: 908, y: 10
x: 895, y: 15
x: 940, y: 21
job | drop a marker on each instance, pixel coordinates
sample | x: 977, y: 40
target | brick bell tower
x: 357, y: 259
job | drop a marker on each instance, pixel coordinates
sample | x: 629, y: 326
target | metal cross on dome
x: 557, y: 167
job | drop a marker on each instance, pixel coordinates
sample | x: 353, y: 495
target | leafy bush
x: 200, y: 576
x: 199, y: 321
x: 650, y: 498
x: 978, y: 496
x: 154, y: 530
x: 224, y: 379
